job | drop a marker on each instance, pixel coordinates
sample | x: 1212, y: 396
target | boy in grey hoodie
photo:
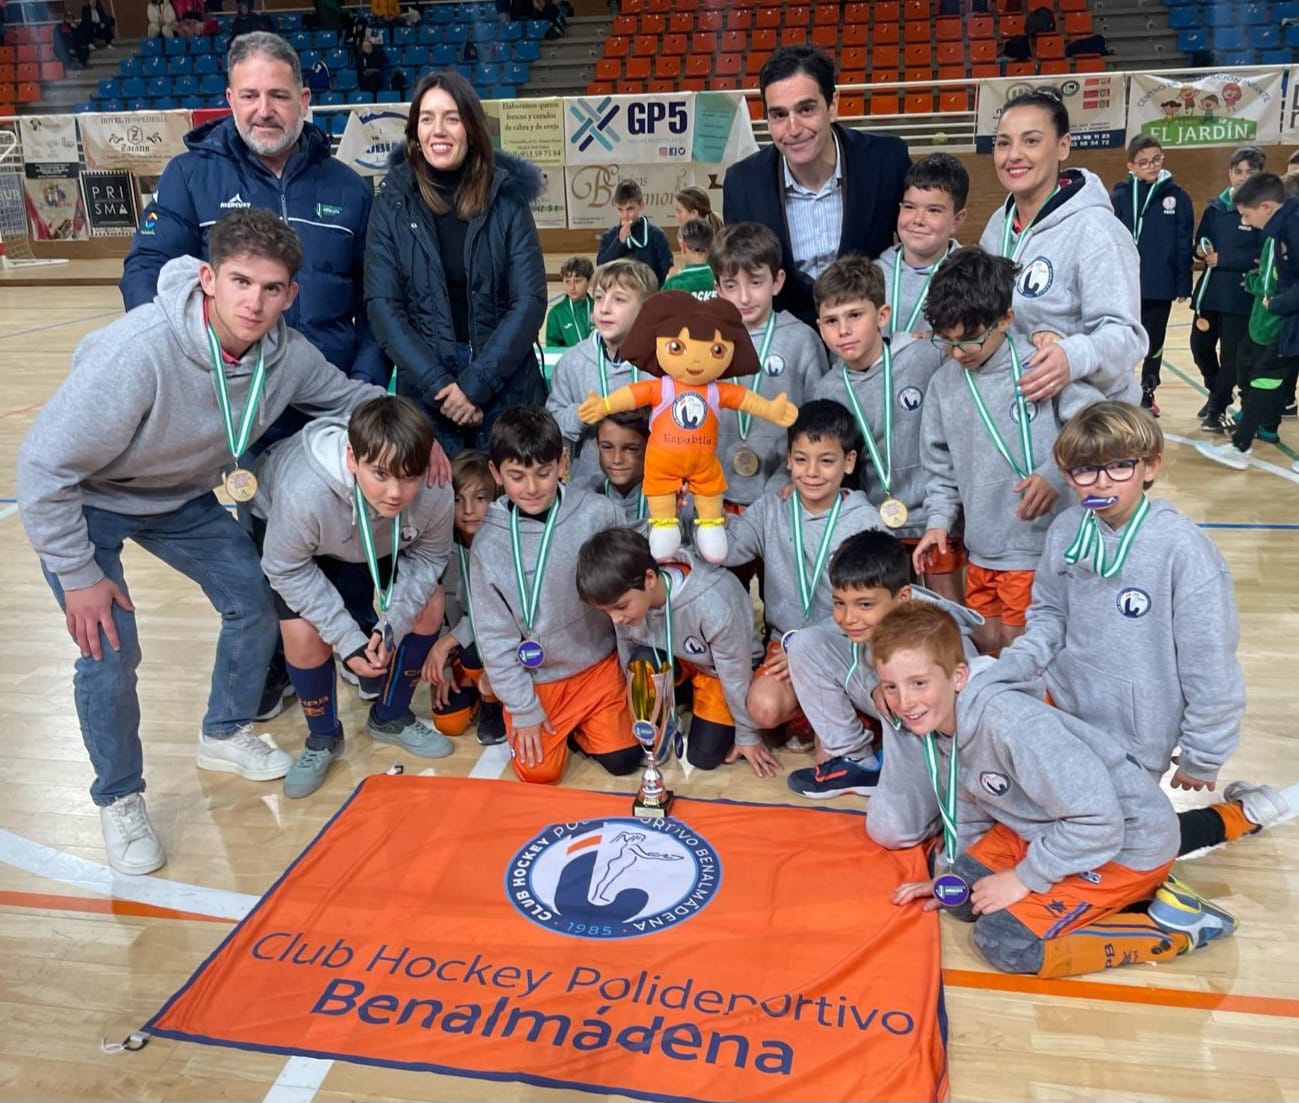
x: 830, y: 665
x: 1050, y: 830
x: 130, y: 447
x: 550, y: 657
x: 1133, y: 622
x: 698, y: 616
x: 355, y: 491
x: 985, y: 447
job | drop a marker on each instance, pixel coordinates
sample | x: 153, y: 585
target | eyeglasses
x: 1118, y: 471
x: 972, y: 345
x: 1153, y: 163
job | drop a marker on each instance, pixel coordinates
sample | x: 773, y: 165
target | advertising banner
x: 1094, y: 102
x: 1220, y: 109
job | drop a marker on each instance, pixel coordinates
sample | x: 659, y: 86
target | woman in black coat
x: 455, y: 284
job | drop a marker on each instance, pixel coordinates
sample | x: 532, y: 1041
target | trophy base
x: 655, y: 808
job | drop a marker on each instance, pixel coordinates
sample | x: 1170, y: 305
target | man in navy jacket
x: 268, y: 156
x: 824, y: 190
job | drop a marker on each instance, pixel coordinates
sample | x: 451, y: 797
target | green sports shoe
x: 1178, y: 907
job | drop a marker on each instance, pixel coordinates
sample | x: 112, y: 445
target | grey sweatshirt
x: 712, y: 629
x: 576, y: 376
x: 135, y: 427
x: 455, y: 590
x: 1067, y: 788
x: 1150, y: 654
x: 795, y: 364
x: 914, y: 283
x: 766, y: 531
x: 305, y: 496
x: 573, y: 635
x: 914, y: 363
x: 965, y: 472
x: 831, y: 692
x: 1080, y: 277
x: 631, y: 506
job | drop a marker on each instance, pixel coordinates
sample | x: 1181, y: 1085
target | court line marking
x: 1281, y: 445
x: 58, y: 325
x: 8, y: 511
x: 1253, y: 460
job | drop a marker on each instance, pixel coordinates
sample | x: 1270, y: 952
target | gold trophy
x: 650, y: 691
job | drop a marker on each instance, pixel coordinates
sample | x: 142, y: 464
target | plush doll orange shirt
x: 688, y: 346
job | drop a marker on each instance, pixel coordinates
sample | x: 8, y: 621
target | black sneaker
x: 277, y: 691
x: 1217, y: 423
x: 1290, y: 411
x: 1202, y: 412
x: 835, y: 778
x: 491, y: 723
x: 1148, y: 402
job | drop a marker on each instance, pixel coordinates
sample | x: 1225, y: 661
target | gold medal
x: 746, y: 462
x: 241, y: 485
x: 893, y: 513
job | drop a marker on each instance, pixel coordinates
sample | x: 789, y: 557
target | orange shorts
x: 700, y: 471
x: 999, y: 595
x: 773, y: 649
x: 708, y: 702
x: 591, y: 706
x: 1079, y: 899
x: 948, y: 562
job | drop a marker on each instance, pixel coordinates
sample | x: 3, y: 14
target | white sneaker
x: 1226, y: 454
x: 1263, y: 805
x: 1295, y: 466
x: 253, y: 757
x: 133, y: 845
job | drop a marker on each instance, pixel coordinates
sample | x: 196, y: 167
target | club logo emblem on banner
x: 595, y: 124
x: 613, y: 878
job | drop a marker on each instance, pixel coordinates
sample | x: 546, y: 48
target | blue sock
x: 403, y: 677
x: 315, y: 689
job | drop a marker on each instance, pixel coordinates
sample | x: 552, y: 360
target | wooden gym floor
x: 90, y: 956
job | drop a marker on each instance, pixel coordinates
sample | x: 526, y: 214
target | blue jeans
x: 206, y: 544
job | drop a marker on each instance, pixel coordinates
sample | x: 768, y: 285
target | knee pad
x: 1007, y: 944
x: 709, y: 743
x: 620, y: 763
x: 456, y: 716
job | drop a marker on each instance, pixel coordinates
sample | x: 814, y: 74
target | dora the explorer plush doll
x: 688, y: 345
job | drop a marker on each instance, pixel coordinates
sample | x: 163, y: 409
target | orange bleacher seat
x: 852, y: 13
x: 692, y: 84
x: 919, y: 103
x: 755, y: 109
x: 916, y: 54
x: 733, y: 42
x: 885, y: 34
x: 608, y: 68
x: 8, y: 107
x: 725, y: 84
x: 852, y: 105
x: 661, y: 87
x: 910, y: 75
x: 599, y: 88
x: 1049, y: 47
x: 625, y: 25
x: 882, y: 76
x: 29, y: 92
x: 638, y: 68
x: 1078, y: 23
x: 699, y: 64
x: 951, y: 72
x: 663, y: 7
x: 705, y: 43
x: 1094, y: 64
x: 852, y: 76
x: 826, y: 37
x: 1020, y: 69
x: 985, y: 71
x: 856, y: 34
x: 768, y: 18
x: 797, y: 15
x: 951, y: 53
x: 854, y: 57
x: 617, y: 45
x: 754, y: 63
x: 916, y: 11
x: 711, y: 21
x: 887, y: 57
x: 27, y: 71
x: 28, y: 52
x: 793, y: 36
x: 954, y: 101
x: 8, y: 55
x: 1010, y: 25
x: 8, y: 74
x: 1054, y: 68
x: 763, y: 41
x: 681, y: 22
x: 653, y: 23
x: 985, y: 50
x: 886, y: 12
x: 948, y: 29
x: 741, y: 19
x: 884, y: 103
x: 631, y: 7
x: 667, y: 68
x: 979, y: 26
x: 825, y: 15
x: 729, y: 65
x: 8, y: 93
x: 675, y: 44
x: 1072, y: 5
x: 645, y: 45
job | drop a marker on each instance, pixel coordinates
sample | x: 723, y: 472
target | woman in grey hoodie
x: 1078, y: 292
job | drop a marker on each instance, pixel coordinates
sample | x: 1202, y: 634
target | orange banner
x: 510, y: 932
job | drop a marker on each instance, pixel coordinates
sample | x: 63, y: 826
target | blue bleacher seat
x: 193, y: 103
x: 403, y: 36
x: 110, y: 106
x: 82, y: 106
x: 515, y: 72
x: 443, y: 15
x: 1253, y: 14
x: 151, y: 47
x: 387, y: 97
x: 179, y: 66
x: 205, y: 65
x: 128, y: 67
x: 1190, y: 41
x: 510, y: 32
x: 338, y: 121
x: 536, y: 28
x: 1286, y: 9
x: 159, y: 87
x: 220, y: 44
x: 288, y: 21
x: 1236, y: 57
x: 308, y: 58
x: 108, y: 89
x: 1228, y: 38
x: 428, y: 35
x: 1221, y: 15
x: 455, y: 32
x: 482, y: 32
x: 501, y: 92
x: 337, y: 58
x: 184, y: 86
x: 417, y: 57
x: 466, y: 71
x: 426, y: 14
x: 166, y: 103
x: 360, y: 97
x: 139, y: 105
x: 133, y: 88
x: 213, y: 85
x: 485, y: 73
x: 1181, y: 19
x: 1280, y: 56
x: 300, y: 40
x: 527, y: 51
x: 173, y: 47
x: 329, y: 99
x: 1290, y: 36
x: 153, y: 67
x: 444, y: 55
x: 345, y: 80
x: 324, y: 40
x: 1262, y: 37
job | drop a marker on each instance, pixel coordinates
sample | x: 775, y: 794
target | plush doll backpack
x: 687, y: 346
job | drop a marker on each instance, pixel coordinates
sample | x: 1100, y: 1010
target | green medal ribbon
x: 464, y: 579
x: 1206, y: 246
x: 583, y: 325
x: 1021, y: 407
x: 631, y: 236
x: 237, y: 443
x: 1013, y: 243
x: 769, y: 332
x: 530, y: 596
x: 806, y: 584
x: 946, y: 805
x: 601, y: 362
x: 1267, y: 264
x: 1088, y: 542
x: 883, y: 463
x: 1138, y: 220
x: 924, y: 291
x: 367, y: 545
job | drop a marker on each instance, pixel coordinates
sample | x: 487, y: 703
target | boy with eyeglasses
x: 986, y: 449
x: 1161, y: 220
x: 1133, y: 622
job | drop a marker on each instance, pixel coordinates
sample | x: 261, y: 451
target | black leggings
x: 1219, y: 369
x: 1154, y: 320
